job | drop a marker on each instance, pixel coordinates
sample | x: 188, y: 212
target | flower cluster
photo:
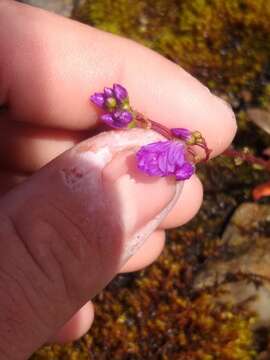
x: 116, y: 104
x: 172, y: 157
x: 164, y: 158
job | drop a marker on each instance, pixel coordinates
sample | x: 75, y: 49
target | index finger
x: 50, y: 65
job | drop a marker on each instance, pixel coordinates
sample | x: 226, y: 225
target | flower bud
x: 120, y: 92
x: 181, y: 133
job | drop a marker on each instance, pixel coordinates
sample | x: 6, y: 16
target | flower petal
x: 176, y: 153
x: 124, y: 117
x: 107, y: 119
x: 98, y: 99
x: 120, y: 92
x: 185, y: 171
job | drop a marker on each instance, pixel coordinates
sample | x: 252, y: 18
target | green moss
x: 154, y: 318
x: 226, y: 43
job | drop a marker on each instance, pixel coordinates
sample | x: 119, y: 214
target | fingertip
x: 223, y: 125
x: 76, y: 327
x: 173, y: 97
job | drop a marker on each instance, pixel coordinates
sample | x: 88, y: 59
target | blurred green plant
x: 226, y: 43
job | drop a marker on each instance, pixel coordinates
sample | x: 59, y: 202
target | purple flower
x: 181, y: 133
x: 117, y: 119
x: 185, y: 171
x: 111, y: 99
x: 164, y: 158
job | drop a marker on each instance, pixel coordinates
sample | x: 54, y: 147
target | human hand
x: 59, y: 244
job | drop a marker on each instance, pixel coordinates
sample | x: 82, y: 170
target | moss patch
x: 225, y: 43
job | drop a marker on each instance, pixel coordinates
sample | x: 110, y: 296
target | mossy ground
x: 225, y: 43
x: 155, y: 314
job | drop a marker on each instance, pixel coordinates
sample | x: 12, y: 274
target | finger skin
x: 9, y: 180
x: 28, y: 148
x: 147, y: 254
x: 185, y: 209
x: 65, y: 62
x: 66, y: 231
x: 76, y: 327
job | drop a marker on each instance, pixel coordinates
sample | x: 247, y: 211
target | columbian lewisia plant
x: 174, y: 156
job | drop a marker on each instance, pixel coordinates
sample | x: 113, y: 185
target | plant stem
x: 249, y: 158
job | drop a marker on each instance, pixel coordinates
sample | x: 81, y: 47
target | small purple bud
x: 98, y: 99
x: 124, y: 117
x: 108, y: 119
x: 108, y: 92
x: 181, y: 133
x: 120, y: 92
x: 117, y: 119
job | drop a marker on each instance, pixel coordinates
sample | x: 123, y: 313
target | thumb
x: 65, y: 232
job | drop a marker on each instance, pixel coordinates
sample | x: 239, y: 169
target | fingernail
x: 144, y: 201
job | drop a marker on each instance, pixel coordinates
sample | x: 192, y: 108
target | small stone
x: 260, y: 117
x: 246, y: 261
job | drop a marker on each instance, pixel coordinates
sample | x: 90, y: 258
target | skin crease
x: 48, y: 68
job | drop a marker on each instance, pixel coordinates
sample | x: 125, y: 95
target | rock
x: 244, y: 272
x: 260, y: 117
x: 61, y: 7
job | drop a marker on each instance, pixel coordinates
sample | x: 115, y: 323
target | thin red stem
x: 249, y: 158
x: 161, y: 129
x: 206, y: 149
x: 158, y: 127
x: 166, y: 132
